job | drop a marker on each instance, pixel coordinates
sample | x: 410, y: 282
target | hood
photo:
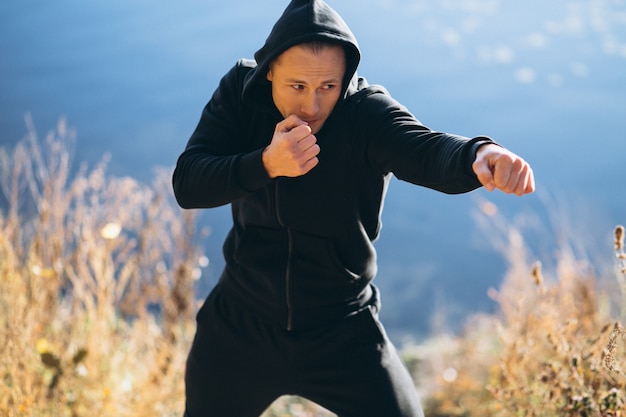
x: 304, y: 21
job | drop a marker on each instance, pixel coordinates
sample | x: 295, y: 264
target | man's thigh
x: 354, y: 371
x: 229, y: 373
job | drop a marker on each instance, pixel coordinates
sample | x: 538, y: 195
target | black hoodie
x: 300, y: 252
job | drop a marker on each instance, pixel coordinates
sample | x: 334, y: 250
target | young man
x: 303, y: 149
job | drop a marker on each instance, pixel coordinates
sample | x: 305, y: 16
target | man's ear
x: 269, y: 75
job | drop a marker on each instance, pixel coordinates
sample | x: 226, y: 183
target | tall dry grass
x: 96, y: 287
x: 555, y: 348
x: 97, y: 306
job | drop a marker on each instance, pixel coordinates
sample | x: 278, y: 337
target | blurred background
x: 545, y: 79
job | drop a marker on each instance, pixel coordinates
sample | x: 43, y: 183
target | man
x: 303, y: 149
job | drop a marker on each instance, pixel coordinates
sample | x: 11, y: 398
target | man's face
x: 307, y: 83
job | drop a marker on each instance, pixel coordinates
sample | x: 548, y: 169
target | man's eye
x: 329, y: 86
x: 298, y: 86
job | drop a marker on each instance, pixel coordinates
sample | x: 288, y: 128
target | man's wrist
x: 266, y: 163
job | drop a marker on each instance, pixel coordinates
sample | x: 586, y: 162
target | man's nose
x: 310, y: 105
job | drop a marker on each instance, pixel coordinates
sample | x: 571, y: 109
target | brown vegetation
x: 97, y: 306
x: 556, y: 348
x: 96, y: 295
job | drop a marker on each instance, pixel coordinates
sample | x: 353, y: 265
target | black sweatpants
x: 238, y: 365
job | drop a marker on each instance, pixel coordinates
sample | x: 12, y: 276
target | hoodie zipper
x: 288, y: 301
x: 288, y: 283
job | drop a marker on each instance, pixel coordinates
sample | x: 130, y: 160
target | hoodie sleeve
x: 400, y: 144
x: 217, y: 167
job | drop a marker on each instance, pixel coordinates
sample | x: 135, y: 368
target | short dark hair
x: 317, y: 45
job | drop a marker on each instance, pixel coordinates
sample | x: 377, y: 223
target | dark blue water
x: 547, y: 81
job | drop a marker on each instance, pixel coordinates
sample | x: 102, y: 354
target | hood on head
x: 305, y: 21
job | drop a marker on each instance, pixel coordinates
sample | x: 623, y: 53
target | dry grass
x: 97, y: 306
x: 555, y: 349
x: 96, y: 287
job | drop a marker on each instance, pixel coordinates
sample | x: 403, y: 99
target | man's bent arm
x: 216, y: 168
